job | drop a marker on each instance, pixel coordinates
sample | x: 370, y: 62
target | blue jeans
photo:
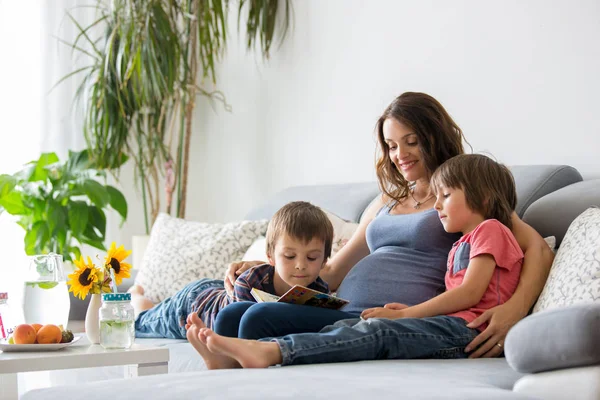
x: 167, y: 318
x: 378, y: 339
x: 248, y: 320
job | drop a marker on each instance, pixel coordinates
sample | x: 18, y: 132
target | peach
x: 49, y: 334
x: 36, y: 327
x: 24, y: 334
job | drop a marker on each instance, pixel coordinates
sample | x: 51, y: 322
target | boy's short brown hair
x: 301, y: 220
x: 489, y: 186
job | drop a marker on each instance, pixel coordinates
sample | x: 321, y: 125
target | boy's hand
x: 395, y: 306
x: 381, y: 312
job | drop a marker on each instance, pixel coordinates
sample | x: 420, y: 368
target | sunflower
x: 114, y: 260
x: 82, y: 280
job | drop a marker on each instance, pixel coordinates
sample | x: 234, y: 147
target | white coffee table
x: 144, y: 360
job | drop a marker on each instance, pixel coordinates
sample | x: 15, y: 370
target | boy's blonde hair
x: 489, y: 186
x: 303, y: 221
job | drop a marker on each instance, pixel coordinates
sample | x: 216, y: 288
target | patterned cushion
x: 181, y: 251
x: 342, y: 232
x: 575, y: 274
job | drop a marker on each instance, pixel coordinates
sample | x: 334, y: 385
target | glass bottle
x: 117, y: 329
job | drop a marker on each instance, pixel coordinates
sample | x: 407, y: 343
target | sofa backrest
x: 552, y: 214
x: 349, y: 200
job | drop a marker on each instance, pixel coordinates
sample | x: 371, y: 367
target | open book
x: 301, y: 295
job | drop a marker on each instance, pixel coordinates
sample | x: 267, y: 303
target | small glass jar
x: 117, y: 322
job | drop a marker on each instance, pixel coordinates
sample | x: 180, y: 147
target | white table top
x: 81, y: 355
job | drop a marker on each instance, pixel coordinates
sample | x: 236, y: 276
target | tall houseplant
x: 61, y: 205
x: 150, y: 62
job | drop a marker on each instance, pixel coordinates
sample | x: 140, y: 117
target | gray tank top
x: 407, y: 263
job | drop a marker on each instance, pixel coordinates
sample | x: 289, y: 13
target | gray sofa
x: 549, y: 197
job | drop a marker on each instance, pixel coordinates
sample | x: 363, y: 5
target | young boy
x: 299, y: 240
x: 475, y: 196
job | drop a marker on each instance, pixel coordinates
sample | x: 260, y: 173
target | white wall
x: 519, y: 76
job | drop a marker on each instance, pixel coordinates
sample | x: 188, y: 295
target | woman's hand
x: 490, y: 342
x: 234, y: 270
x: 383, y: 312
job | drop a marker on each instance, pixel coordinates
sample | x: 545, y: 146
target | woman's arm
x: 355, y: 250
x: 536, y: 266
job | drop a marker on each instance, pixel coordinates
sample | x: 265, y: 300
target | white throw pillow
x: 342, y: 232
x: 575, y: 274
x: 181, y: 251
x: 551, y: 242
x: 258, y: 250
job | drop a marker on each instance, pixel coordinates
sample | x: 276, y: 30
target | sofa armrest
x: 78, y: 307
x: 555, y: 339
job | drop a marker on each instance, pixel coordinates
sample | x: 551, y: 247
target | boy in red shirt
x: 475, y: 196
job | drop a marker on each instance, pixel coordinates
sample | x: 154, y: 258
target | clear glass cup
x: 45, y: 291
x: 117, y: 328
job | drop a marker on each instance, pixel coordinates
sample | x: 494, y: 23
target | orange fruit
x: 49, y: 334
x: 24, y: 334
x: 36, y: 327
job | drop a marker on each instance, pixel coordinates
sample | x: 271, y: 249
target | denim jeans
x: 167, y: 318
x: 378, y: 339
x: 248, y: 320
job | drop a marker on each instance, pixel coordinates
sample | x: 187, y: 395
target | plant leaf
x: 56, y: 218
x: 96, y: 192
x: 41, y: 173
x: 97, y: 219
x: 13, y: 204
x: 7, y: 184
x: 118, y: 202
x: 78, y: 217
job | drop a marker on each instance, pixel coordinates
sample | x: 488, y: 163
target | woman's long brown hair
x: 439, y: 139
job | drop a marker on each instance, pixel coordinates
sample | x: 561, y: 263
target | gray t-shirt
x: 407, y: 263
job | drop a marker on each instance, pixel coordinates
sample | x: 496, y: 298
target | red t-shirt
x: 493, y: 238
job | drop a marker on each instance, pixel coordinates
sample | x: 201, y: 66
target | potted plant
x: 61, y: 205
x: 148, y: 64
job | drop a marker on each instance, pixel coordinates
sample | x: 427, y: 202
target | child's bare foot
x: 212, y: 361
x: 248, y: 353
x: 138, y: 301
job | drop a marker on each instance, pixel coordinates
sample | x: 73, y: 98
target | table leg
x: 9, y: 387
x: 157, y: 368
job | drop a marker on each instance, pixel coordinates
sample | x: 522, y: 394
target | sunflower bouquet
x: 89, y: 278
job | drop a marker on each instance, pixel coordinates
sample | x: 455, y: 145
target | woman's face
x: 404, y: 151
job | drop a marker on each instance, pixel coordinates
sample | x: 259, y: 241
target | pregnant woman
x: 398, y: 253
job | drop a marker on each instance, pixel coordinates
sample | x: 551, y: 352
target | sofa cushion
x: 489, y: 379
x: 575, y: 273
x: 181, y: 251
x: 561, y: 338
x: 552, y: 214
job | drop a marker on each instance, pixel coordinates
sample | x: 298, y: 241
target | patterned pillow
x: 575, y: 274
x: 342, y: 232
x: 181, y: 251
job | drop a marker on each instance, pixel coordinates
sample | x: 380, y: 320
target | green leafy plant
x: 61, y: 205
x: 149, y: 60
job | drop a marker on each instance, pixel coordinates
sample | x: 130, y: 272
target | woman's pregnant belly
x: 393, y: 275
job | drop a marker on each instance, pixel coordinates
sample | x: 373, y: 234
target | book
x: 301, y: 295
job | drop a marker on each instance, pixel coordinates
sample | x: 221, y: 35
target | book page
x: 262, y: 296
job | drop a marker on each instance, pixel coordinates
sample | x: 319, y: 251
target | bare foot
x: 138, y: 301
x: 248, y: 353
x: 212, y: 361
